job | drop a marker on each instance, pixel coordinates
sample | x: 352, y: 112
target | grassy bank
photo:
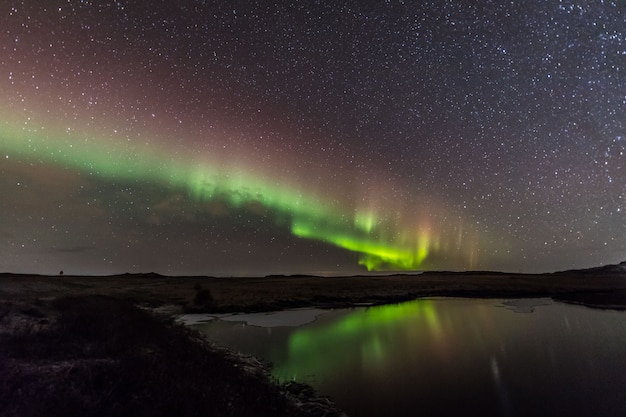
x: 101, y: 356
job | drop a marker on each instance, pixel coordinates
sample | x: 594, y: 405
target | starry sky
x: 322, y: 137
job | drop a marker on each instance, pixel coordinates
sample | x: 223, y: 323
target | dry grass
x: 104, y: 357
x: 271, y: 293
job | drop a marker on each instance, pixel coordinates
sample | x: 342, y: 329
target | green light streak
x: 365, y: 221
x: 310, y: 217
x: 374, y: 255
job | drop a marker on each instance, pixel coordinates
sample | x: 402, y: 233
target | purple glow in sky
x: 249, y: 138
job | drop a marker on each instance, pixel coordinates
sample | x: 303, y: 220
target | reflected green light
x: 359, y: 336
x: 310, y: 217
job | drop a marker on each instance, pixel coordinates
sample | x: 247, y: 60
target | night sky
x: 323, y: 137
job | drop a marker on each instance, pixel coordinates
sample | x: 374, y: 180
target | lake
x: 445, y: 356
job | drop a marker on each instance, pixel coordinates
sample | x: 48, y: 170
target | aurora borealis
x: 249, y: 138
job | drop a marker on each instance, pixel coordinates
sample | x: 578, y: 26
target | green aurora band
x: 308, y: 217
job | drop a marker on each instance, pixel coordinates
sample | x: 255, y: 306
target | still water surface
x: 446, y: 356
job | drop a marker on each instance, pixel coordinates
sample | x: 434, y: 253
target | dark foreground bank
x: 101, y: 356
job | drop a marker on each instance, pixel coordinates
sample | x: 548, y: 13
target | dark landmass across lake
x: 603, y: 287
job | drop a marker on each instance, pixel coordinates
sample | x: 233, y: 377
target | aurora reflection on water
x: 450, y: 357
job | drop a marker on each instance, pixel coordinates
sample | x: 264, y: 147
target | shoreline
x: 71, y: 341
x: 97, y: 355
x: 225, y: 295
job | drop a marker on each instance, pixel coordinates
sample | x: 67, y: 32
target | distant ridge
x: 598, y: 270
x: 606, y: 269
x: 140, y: 274
x: 472, y: 273
x: 292, y: 276
x: 11, y: 274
